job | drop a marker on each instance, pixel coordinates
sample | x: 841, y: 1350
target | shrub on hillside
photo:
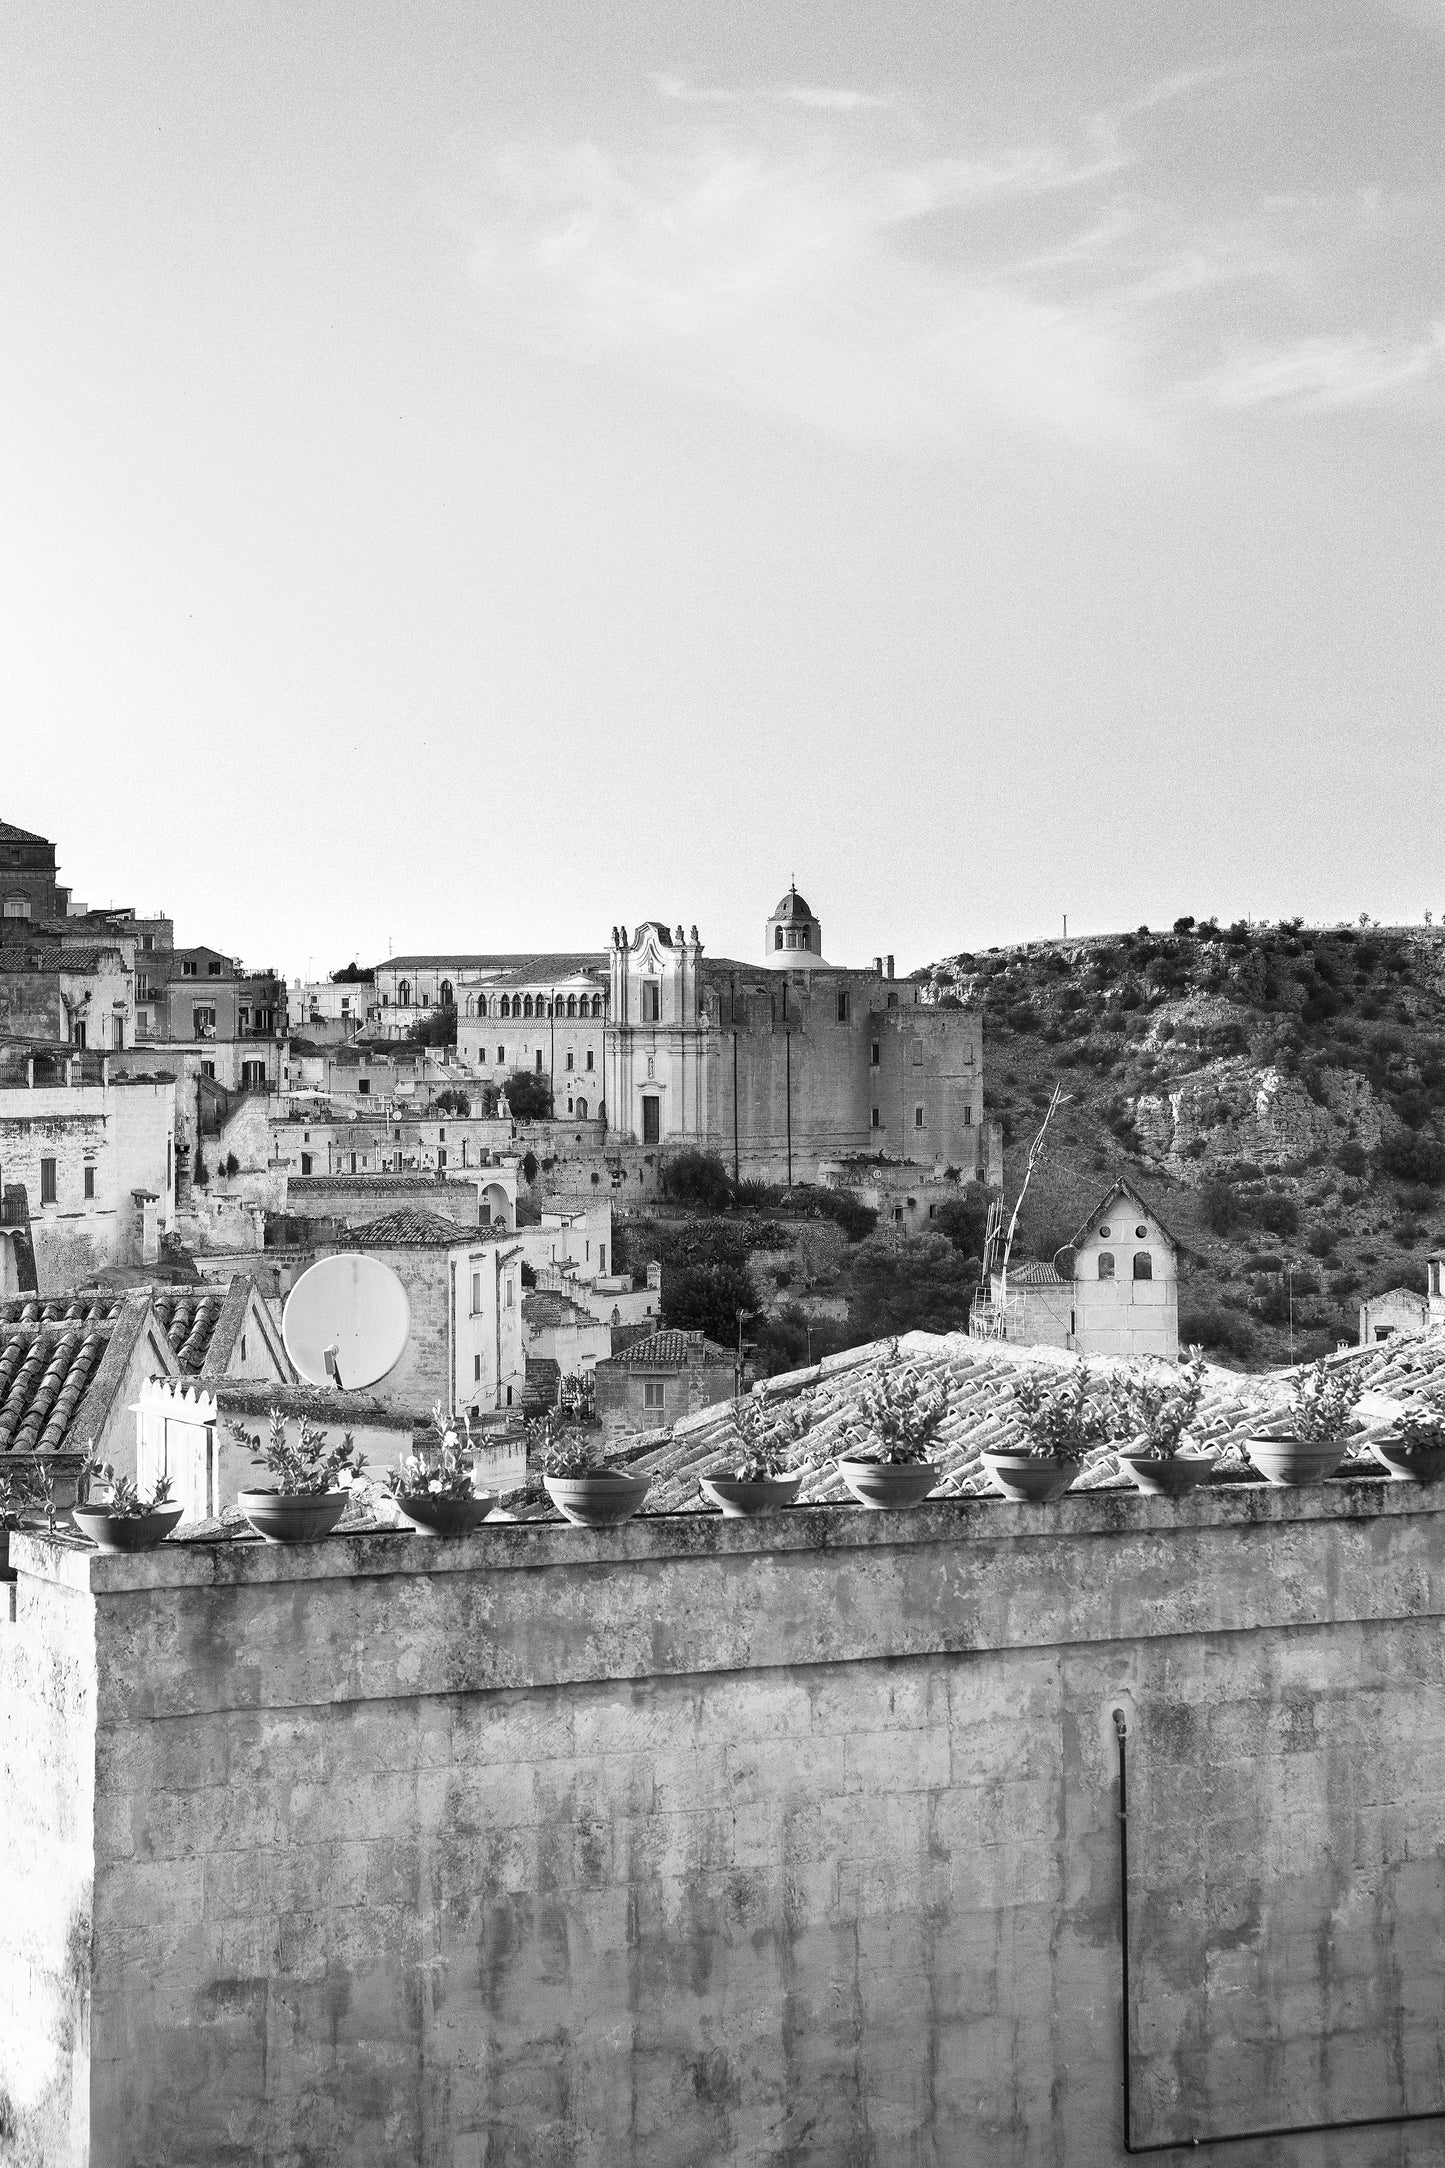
x: 839, y: 1205
x: 1352, y: 1158
x: 1279, y: 1214
x: 1219, y: 1206
x: 1414, y: 1158
x: 1218, y: 1330
x: 920, y: 1285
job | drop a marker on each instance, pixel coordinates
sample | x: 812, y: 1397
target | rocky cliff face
x: 1277, y: 1091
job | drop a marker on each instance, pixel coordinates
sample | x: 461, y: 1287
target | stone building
x: 54, y: 990
x: 662, y: 1378
x: 28, y: 887
x: 94, y: 1153
x: 782, y: 1066
x: 463, y: 1287
x: 1399, y: 1309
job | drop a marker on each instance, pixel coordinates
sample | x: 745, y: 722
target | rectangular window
x: 476, y: 1294
x: 602, y: 1261
x: 243, y: 1017
x: 539, y: 1061
x: 571, y: 1060
x: 918, y: 1053
x: 501, y: 1055
x: 476, y: 1368
x: 511, y: 1292
x: 353, y: 1162
x: 203, y: 1023
x: 441, y: 1159
x: 651, y: 1119
x: 653, y: 1393
x: 893, y: 1001
x: 47, y: 1181
x: 363, y: 1086
x: 651, y: 1002
x: 877, y: 1118
x: 90, y: 1181
x: 968, y: 1117
x: 845, y: 1002
x: 305, y: 1162
x: 214, y: 967
x: 117, y: 1033
x: 188, y: 969
x: 208, y: 1068
x: 589, y: 1057
x: 918, y: 1117
x: 875, y: 1055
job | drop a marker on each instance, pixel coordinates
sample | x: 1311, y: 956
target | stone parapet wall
x: 700, y: 1841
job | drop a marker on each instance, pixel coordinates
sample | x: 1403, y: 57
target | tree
x: 437, y: 1029
x: 452, y: 1101
x: 964, y: 1220
x: 698, y: 1179
x: 919, y: 1285
x: 707, y: 1299
x: 529, y: 1095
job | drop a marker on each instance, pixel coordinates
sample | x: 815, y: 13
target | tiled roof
x: 188, y: 1318
x: 408, y: 1228
x: 671, y: 1351
x: 9, y: 833
x: 1034, y: 1274
x: 540, y: 968
x: 44, y: 1376
x: 979, y: 1378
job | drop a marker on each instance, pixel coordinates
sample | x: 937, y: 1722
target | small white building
x: 1121, y: 1297
x: 1399, y: 1309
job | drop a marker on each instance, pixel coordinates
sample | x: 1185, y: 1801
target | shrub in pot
x: 583, y: 1488
x: 1152, y: 1410
x: 887, y: 1464
x: 312, y: 1478
x: 756, y: 1476
x: 22, y: 1488
x: 434, y: 1490
x: 1059, y: 1424
x: 1416, y: 1453
x: 1320, y: 1421
x: 121, y: 1519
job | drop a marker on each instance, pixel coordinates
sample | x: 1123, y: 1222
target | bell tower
x: 794, y: 937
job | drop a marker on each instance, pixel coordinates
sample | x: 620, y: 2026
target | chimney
x: 889, y: 961
x: 878, y: 967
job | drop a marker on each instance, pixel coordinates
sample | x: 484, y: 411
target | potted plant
x: 123, y: 1521
x: 1416, y: 1453
x: 887, y: 1463
x: 1320, y: 1418
x: 755, y: 1477
x: 1155, y: 1410
x: 18, y: 1490
x: 308, y: 1497
x: 583, y: 1488
x: 1060, y: 1425
x: 434, y: 1490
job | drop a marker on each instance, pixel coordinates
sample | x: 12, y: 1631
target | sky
x: 474, y: 476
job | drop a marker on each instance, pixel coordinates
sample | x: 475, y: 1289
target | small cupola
x: 794, y: 936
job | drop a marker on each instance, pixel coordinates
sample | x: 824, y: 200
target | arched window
x: 481, y: 1004
x: 471, y: 1006
x: 581, y: 1110
x: 403, y: 993
x: 1106, y: 1264
x: 571, y: 1004
x: 1143, y: 1265
x: 527, y: 1005
x: 596, y: 1004
x: 449, y: 999
x: 506, y: 1005
x: 777, y: 937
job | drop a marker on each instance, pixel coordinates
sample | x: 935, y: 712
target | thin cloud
x: 767, y: 250
x: 1321, y: 374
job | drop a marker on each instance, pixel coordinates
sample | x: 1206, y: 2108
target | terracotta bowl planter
x: 1172, y: 1478
x: 1295, y: 1463
x: 888, y: 1486
x: 125, y: 1531
x: 305, y: 1519
x: 430, y: 1515
x: 1028, y: 1480
x: 598, y: 1500
x: 741, y: 1500
x: 1426, y: 1467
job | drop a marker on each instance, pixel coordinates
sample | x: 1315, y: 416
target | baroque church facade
x: 783, y: 1065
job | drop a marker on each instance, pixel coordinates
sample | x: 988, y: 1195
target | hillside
x: 1277, y: 1091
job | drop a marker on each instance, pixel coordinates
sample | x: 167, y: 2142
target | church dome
x: 792, y: 906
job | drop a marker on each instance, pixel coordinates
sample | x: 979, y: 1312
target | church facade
x: 783, y: 1065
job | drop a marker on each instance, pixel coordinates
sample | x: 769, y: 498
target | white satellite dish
x: 347, y: 1322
